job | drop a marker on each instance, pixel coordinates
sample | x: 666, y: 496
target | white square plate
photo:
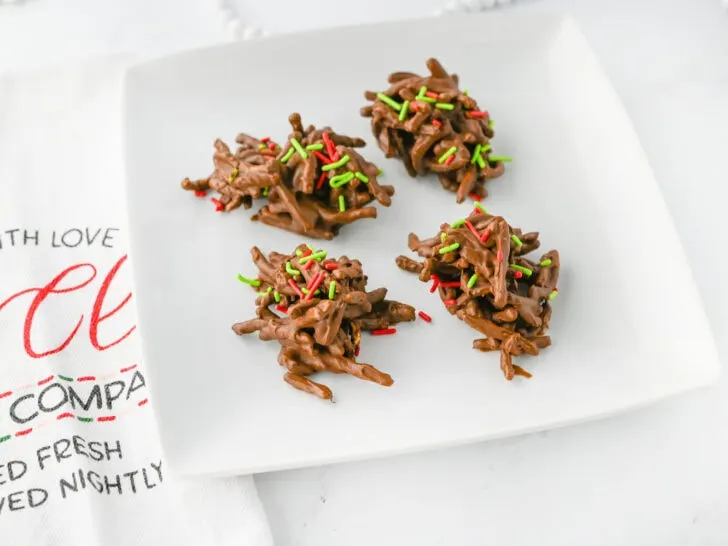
x: 628, y: 326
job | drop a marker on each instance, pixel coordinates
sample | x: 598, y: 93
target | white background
x: 655, y: 477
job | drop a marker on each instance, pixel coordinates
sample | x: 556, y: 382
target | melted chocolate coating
x: 422, y: 138
x: 318, y: 334
x: 299, y: 192
x: 509, y: 302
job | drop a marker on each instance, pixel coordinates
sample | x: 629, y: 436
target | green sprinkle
x: 480, y: 207
x: 387, y: 100
x: 485, y: 149
x: 85, y: 419
x: 317, y: 146
x: 288, y: 155
x: 233, y: 175
x: 262, y: 146
x: 516, y: 240
x: 422, y: 92
x: 299, y: 148
x: 299, y: 252
x: 332, y: 290
x: 277, y: 296
x: 304, y: 290
x: 291, y: 271
x: 265, y: 191
x: 426, y: 99
x: 309, y: 247
x: 444, y: 106
x: 65, y: 377
x: 341, y: 180
x: 404, y: 110
x: 320, y: 255
x: 380, y: 172
x: 450, y: 248
x: 527, y: 272
x: 443, y: 236
x: 362, y: 177
x: 342, y: 203
x: 553, y: 295
x: 458, y: 223
x: 5, y: 438
x: 246, y: 280
x: 476, y: 154
x: 340, y: 163
x: 547, y: 262
x: 491, y: 124
x: 472, y: 280
x: 465, y: 92
x: 501, y: 158
x: 447, y: 154
x: 265, y: 292
x: 481, y: 162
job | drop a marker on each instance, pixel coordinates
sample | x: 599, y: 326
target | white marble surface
x: 656, y: 477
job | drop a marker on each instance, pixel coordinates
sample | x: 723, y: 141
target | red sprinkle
x: 86, y: 378
x: 142, y: 402
x: 322, y: 157
x: 314, y: 284
x: 477, y: 114
x: 449, y: 302
x: 471, y: 227
x: 309, y: 265
x: 330, y: 148
x: 331, y: 266
x: 518, y: 274
x: 424, y: 316
x: 435, y: 283
x: 499, y: 256
x: 314, y: 279
x: 272, y: 146
x: 106, y: 419
x: 450, y: 159
x: 265, y: 139
x: 437, y: 123
x: 384, y: 332
x: 65, y: 416
x: 282, y: 309
x: 295, y: 287
x: 485, y: 236
x: 432, y: 94
x: 6, y: 394
x: 127, y: 369
x: 321, y: 181
x: 200, y: 193
x: 306, y: 252
x: 218, y: 204
x: 475, y: 197
x: 357, y: 351
x: 24, y: 432
x: 453, y: 284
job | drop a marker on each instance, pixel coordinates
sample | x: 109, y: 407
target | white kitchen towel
x: 80, y: 460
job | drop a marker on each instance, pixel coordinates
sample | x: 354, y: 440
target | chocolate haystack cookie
x: 433, y: 126
x: 479, y: 266
x: 322, y: 307
x: 314, y: 184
